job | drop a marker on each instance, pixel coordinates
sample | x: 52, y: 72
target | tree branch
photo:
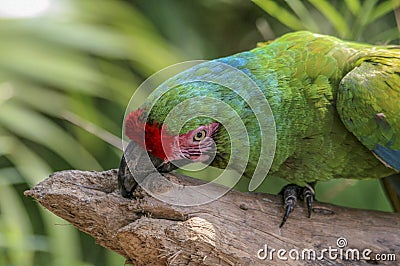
x: 228, y: 231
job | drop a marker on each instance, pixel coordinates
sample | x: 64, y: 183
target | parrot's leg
x: 308, y: 196
x: 290, y: 195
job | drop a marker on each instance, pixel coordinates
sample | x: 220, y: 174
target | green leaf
x: 15, y: 226
x: 43, y: 99
x: 386, y: 36
x: 10, y: 176
x: 354, y: 6
x: 81, y: 58
x: 28, y: 163
x: 333, y: 16
x: 382, y: 9
x: 62, y: 68
x: 280, y: 13
x: 366, y: 11
x: 40, y: 129
x: 302, y: 12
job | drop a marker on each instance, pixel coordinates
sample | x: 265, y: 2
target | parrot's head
x: 198, y: 139
x: 196, y: 145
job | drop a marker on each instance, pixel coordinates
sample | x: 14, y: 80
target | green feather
x: 326, y: 96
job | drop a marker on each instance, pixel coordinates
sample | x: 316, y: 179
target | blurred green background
x: 69, y: 67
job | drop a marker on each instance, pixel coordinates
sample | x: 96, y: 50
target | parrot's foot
x: 290, y: 195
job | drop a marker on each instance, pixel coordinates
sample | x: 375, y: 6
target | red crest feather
x: 149, y: 136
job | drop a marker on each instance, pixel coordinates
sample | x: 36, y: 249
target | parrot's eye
x: 200, y: 135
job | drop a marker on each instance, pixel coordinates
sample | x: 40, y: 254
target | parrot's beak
x: 137, y: 159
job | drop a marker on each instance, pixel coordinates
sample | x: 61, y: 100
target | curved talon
x: 290, y: 195
x: 308, y: 196
x: 288, y: 210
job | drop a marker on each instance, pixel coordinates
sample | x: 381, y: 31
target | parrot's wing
x: 369, y: 104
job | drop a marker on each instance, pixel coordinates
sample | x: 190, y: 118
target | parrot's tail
x: 391, y: 184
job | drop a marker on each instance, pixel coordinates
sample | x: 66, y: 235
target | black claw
x: 308, y: 195
x: 290, y: 195
x: 288, y: 210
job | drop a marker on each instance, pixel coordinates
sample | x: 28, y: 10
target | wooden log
x: 237, y: 229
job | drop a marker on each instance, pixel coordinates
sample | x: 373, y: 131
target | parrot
x: 335, y: 103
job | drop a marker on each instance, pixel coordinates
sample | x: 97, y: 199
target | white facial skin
x: 197, y: 145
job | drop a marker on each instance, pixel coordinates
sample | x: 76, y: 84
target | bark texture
x: 229, y: 231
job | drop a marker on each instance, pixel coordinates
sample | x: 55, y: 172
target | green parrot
x: 335, y: 104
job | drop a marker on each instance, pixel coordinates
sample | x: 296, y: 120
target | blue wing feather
x: 389, y: 156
